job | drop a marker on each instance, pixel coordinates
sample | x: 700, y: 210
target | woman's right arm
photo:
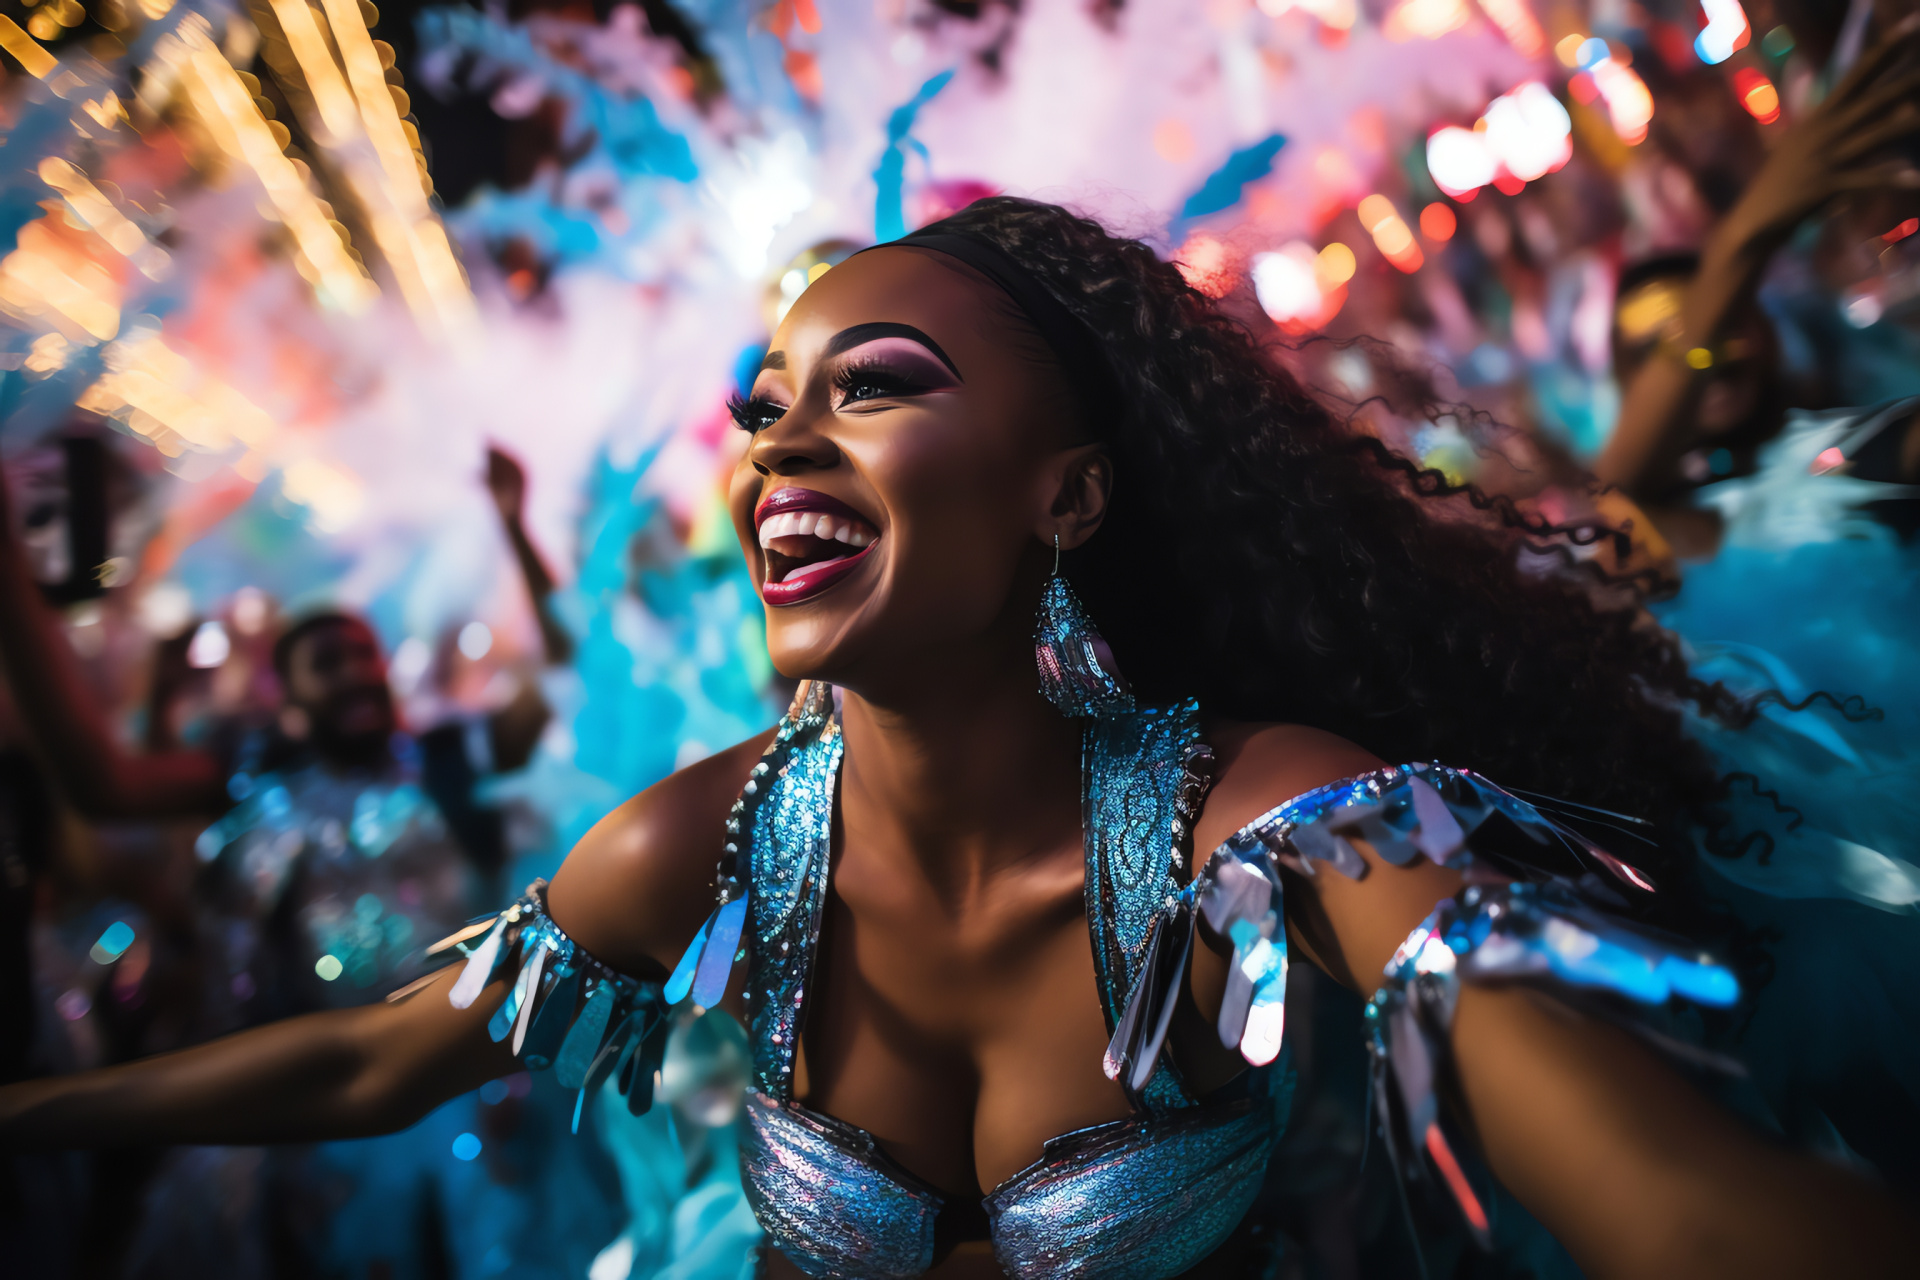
x: 633, y: 893
x: 342, y: 1074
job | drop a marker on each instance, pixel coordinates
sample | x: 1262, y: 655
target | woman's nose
x: 792, y: 445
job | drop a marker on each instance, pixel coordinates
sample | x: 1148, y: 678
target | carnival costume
x: 1153, y: 1194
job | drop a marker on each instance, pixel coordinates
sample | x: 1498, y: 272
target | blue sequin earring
x: 1077, y: 671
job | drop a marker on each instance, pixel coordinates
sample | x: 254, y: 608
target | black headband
x: 1073, y: 343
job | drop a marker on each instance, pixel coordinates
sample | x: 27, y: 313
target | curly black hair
x: 1263, y: 555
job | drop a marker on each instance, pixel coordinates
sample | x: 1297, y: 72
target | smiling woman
x: 1014, y: 941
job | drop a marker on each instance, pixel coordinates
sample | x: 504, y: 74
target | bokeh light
x: 1292, y: 289
x: 209, y: 647
x: 112, y: 943
x: 1726, y: 31
x: 1757, y: 95
x: 1334, y: 265
x: 476, y: 641
x: 1390, y: 233
x: 1438, y: 222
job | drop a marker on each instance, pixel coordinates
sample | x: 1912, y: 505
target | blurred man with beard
x: 339, y: 846
x: 359, y: 845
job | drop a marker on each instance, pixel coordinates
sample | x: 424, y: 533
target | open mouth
x: 810, y: 541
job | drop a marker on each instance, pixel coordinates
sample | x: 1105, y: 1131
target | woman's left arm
x: 1632, y: 1169
x: 1639, y: 1175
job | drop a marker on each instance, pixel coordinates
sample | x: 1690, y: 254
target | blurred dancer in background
x: 344, y: 846
x: 1696, y: 354
x: 338, y: 778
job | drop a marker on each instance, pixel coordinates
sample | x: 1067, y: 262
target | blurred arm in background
x: 96, y: 774
x: 515, y: 729
x: 1848, y: 144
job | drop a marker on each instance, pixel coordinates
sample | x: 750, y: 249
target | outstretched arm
x: 632, y: 893
x: 344, y: 1074
x: 1635, y: 1172
x: 95, y: 774
x: 1840, y: 147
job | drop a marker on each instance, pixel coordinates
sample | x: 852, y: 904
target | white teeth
x: 791, y: 524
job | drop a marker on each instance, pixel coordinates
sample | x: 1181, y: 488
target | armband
x: 566, y: 1010
x: 1452, y: 817
x: 1541, y: 934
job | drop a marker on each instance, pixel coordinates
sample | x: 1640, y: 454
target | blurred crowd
x: 1690, y: 327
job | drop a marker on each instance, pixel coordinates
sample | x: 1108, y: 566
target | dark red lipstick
x: 809, y: 542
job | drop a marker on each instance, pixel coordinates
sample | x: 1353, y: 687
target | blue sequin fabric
x: 361, y: 864
x: 566, y: 1009
x: 1548, y: 934
x: 1543, y: 904
x: 788, y: 827
x: 1132, y: 770
x: 1150, y: 1196
x: 1146, y: 1197
x: 829, y: 1198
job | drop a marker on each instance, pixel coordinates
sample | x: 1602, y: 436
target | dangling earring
x: 1077, y: 671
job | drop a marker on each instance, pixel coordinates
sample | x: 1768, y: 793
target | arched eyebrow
x: 860, y: 334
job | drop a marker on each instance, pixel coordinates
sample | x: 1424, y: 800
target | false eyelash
x: 875, y: 373
x: 754, y: 414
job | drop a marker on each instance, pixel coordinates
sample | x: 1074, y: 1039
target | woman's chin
x: 817, y: 641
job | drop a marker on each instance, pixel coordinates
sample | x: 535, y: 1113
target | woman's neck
x: 969, y: 775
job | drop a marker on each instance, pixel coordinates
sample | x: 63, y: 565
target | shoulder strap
x: 1133, y: 769
x: 782, y: 827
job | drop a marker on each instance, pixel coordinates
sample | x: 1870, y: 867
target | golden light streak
x: 377, y: 107
x: 338, y: 118
x: 159, y: 394
x: 44, y: 275
x: 238, y: 128
x: 38, y: 62
x: 94, y: 209
x: 361, y: 118
x: 1425, y: 19
x: 1390, y: 233
x: 49, y: 352
x: 381, y: 112
x: 106, y: 111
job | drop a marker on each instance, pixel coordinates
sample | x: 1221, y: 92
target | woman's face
x: 908, y: 469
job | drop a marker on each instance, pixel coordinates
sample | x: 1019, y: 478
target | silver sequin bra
x: 1144, y: 1197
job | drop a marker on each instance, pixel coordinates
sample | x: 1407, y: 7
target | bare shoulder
x: 636, y: 888
x: 1262, y: 765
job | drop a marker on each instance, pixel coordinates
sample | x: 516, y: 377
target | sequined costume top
x: 1154, y: 1194
x: 331, y: 883
x: 1146, y: 1196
